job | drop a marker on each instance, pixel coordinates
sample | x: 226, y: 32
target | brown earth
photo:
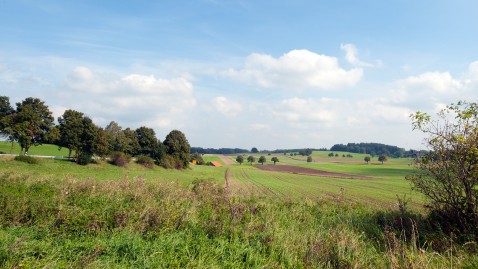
x: 308, y: 171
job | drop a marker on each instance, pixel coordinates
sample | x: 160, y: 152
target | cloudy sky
x: 245, y: 73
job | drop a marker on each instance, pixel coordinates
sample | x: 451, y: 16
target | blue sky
x: 266, y: 74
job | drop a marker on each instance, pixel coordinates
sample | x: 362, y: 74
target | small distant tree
x: 336, y: 155
x: 382, y: 158
x: 275, y: 160
x: 240, y: 159
x: 309, y: 159
x: 367, y: 159
x: 251, y: 159
x: 331, y: 154
x: 262, y: 160
x: 254, y: 150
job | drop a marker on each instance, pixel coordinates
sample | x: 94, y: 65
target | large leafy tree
x: 6, y: 119
x: 262, y: 160
x: 31, y: 122
x: 78, y: 133
x: 116, y: 137
x: 130, y: 143
x: 71, y: 128
x: 448, y: 174
x: 148, y: 143
x: 177, y: 146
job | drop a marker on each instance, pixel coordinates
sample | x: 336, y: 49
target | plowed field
x: 308, y: 171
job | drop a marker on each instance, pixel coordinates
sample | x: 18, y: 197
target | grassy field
x: 44, y: 150
x: 59, y: 214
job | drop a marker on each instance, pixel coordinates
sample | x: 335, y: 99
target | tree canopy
x: 447, y: 175
x: 177, y: 146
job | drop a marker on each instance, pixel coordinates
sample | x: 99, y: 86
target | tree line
x: 31, y: 123
x: 376, y: 149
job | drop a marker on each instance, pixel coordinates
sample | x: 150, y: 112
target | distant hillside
x: 375, y: 149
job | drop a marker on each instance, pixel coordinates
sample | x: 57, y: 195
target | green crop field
x: 58, y: 214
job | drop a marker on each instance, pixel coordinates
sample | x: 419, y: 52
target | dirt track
x: 308, y: 171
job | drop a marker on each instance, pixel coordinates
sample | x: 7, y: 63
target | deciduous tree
x: 382, y: 158
x: 275, y: 160
x: 177, y: 146
x: 31, y: 122
x: 262, y: 160
x: 448, y: 174
x: 367, y: 159
x: 240, y: 159
x: 251, y: 159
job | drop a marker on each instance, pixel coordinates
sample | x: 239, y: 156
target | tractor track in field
x: 308, y: 171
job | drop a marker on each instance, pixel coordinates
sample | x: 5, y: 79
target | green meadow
x: 57, y: 214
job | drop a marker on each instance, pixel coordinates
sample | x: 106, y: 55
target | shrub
x: 309, y: 159
x: 145, y: 161
x: 27, y: 159
x: 119, y: 159
x: 169, y: 162
x: 85, y: 158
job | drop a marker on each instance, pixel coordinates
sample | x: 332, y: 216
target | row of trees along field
x: 375, y: 149
x: 31, y: 123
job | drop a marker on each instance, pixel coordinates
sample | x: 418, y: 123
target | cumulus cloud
x: 148, y: 100
x: 351, y: 55
x: 226, y: 106
x: 297, y: 69
x: 440, y: 82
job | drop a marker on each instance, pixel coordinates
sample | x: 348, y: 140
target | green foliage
x: 275, y: 160
x: 177, y: 146
x: 30, y: 123
x: 119, y: 159
x: 27, y: 159
x: 145, y: 161
x: 382, y: 158
x: 366, y: 159
x: 254, y: 150
x: 447, y: 175
x: 169, y: 162
x: 148, y: 143
x: 262, y: 160
x: 251, y: 159
x: 240, y: 159
x: 309, y: 159
x: 198, y: 158
x: 72, y: 223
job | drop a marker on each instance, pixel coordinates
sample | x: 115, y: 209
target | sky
x: 266, y: 74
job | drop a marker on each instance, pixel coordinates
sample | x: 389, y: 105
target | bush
x: 145, y: 161
x: 309, y: 159
x: 119, y: 159
x: 85, y: 158
x: 27, y: 159
x: 169, y: 162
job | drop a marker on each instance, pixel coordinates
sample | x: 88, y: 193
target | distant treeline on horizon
x: 374, y: 149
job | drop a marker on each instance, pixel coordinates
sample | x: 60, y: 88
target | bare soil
x: 308, y: 171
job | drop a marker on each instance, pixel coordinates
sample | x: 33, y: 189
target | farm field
x: 59, y: 214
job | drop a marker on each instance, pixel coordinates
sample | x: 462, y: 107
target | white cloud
x: 351, y: 53
x: 439, y: 82
x: 306, y: 110
x: 226, y: 106
x: 297, y: 69
x: 137, y: 98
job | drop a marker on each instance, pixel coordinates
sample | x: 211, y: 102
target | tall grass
x: 131, y: 222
